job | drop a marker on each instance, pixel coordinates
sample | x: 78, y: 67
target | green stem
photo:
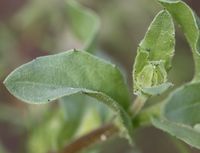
x: 145, y: 116
x: 137, y: 105
x: 83, y: 142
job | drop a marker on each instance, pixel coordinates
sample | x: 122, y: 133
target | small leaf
x: 157, y: 89
x: 84, y: 23
x: 188, y: 22
x: 181, y: 131
x: 52, y: 77
x: 154, y: 56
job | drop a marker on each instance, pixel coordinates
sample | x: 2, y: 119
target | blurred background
x: 32, y: 28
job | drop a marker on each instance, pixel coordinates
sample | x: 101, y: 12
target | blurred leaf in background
x: 62, y: 126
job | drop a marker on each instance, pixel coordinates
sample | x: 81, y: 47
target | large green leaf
x: 183, y: 105
x: 186, y: 133
x: 189, y: 24
x: 48, y: 78
x: 51, y: 77
x: 180, y: 116
x: 154, y: 56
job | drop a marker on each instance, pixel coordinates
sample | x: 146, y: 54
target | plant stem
x: 145, y: 116
x: 137, y: 105
x: 81, y: 143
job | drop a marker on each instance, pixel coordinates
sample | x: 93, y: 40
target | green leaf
x: 186, y: 133
x: 78, y: 115
x: 154, y: 56
x: 190, y: 26
x: 80, y: 21
x: 180, y: 115
x: 85, y: 112
x: 73, y: 107
x: 84, y: 23
x: 157, y: 89
x: 51, y: 134
x: 183, y: 105
x: 52, y: 77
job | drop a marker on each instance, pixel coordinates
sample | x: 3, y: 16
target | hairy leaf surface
x: 180, y: 115
x: 154, y: 56
x: 186, y: 133
x: 52, y: 77
x: 190, y: 26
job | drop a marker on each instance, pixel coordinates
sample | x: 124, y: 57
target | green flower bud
x: 151, y: 75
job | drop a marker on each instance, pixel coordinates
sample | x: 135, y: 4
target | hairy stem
x: 145, y: 116
x: 83, y: 142
x: 137, y: 105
